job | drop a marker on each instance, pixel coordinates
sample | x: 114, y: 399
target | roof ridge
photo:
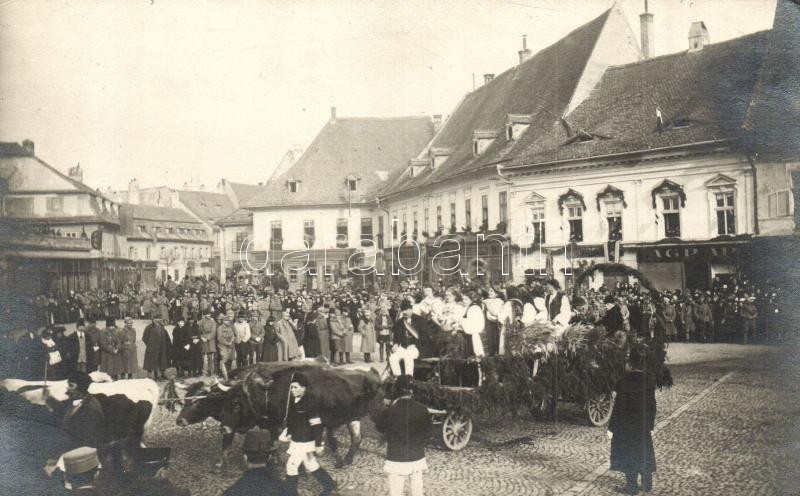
x: 551, y: 46
x: 685, y: 52
x: 366, y: 118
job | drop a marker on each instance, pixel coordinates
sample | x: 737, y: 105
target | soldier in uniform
x: 304, y: 433
x: 81, y: 467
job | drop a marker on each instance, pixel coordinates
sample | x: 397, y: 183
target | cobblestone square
x: 726, y: 427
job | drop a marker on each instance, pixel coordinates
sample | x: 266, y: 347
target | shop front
x: 690, y: 266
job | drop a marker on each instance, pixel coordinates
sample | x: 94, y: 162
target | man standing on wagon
x: 559, y: 311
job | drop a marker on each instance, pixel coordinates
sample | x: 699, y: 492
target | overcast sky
x: 167, y: 90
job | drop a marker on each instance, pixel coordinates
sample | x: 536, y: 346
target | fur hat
x: 300, y: 379
x: 80, y: 379
x: 111, y: 323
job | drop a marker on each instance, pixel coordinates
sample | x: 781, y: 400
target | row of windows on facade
x: 502, y: 201
x: 172, y: 230
x: 186, y: 253
x: 294, y: 184
x: 24, y: 206
x: 670, y: 216
x: 724, y: 208
x: 309, y: 234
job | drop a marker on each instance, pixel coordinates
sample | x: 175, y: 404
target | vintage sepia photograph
x: 389, y: 248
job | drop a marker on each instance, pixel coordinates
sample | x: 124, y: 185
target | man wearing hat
x: 128, y: 351
x: 83, y: 420
x: 208, y: 336
x: 406, y: 424
x: 304, y: 433
x: 259, y: 476
x: 110, y: 358
x: 242, y: 335
x: 749, y: 313
x: 406, y: 337
x: 81, y: 467
x: 157, y: 344
x: 80, y: 345
x: 225, y: 341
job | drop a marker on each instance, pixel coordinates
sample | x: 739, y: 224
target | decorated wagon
x: 542, y: 368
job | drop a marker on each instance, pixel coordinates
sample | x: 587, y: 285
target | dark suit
x: 612, y: 320
x: 85, y: 422
x: 72, y: 353
x: 256, y: 481
x: 632, y: 422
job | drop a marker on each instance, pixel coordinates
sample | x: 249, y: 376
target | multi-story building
x: 325, y: 204
x: 206, y: 207
x: 56, y: 233
x: 171, y: 240
x: 593, y: 150
x: 453, y: 187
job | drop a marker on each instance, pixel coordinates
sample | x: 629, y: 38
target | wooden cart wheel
x: 456, y: 431
x: 598, y: 409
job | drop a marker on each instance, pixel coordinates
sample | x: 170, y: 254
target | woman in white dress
x: 474, y: 325
x: 493, y: 307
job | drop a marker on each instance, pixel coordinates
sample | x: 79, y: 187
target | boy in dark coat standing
x: 407, y: 427
x: 631, y: 426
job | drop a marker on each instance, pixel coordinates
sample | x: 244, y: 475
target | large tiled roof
x: 375, y: 150
x: 10, y: 149
x: 158, y: 214
x: 239, y: 216
x: 541, y: 87
x: 209, y: 207
x: 774, y: 115
x: 702, y: 95
x: 244, y: 191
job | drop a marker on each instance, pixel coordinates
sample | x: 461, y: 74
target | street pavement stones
x: 741, y: 438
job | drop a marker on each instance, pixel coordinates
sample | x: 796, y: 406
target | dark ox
x: 260, y: 398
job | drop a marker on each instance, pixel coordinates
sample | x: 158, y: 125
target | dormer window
x: 582, y: 136
x: 351, y: 182
x: 418, y: 165
x: 516, y: 125
x: 481, y: 140
x: 439, y: 156
x: 294, y: 186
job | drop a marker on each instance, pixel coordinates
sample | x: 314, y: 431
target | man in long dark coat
x: 631, y: 426
x: 157, y: 345
x: 110, y: 358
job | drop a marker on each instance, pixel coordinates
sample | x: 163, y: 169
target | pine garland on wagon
x: 582, y: 363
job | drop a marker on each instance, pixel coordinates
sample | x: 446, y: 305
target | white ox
x: 134, y: 389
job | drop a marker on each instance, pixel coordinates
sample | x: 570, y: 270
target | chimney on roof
x: 437, y: 122
x: 525, y: 53
x: 133, y: 191
x: 487, y: 78
x: 76, y: 173
x: 28, y: 146
x: 698, y: 36
x: 333, y: 114
x: 648, y: 36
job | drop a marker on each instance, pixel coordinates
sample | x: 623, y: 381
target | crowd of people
x: 203, y: 328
